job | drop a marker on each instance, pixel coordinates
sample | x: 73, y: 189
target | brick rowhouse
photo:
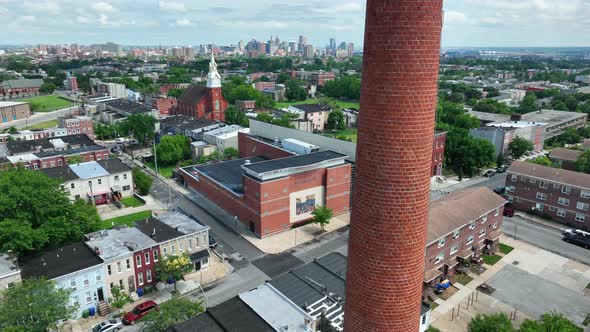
x: 393, y: 165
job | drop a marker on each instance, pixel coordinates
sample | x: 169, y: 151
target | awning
x: 116, y: 188
x: 197, y: 256
x: 98, y: 192
x: 493, y: 236
x: 431, y: 275
x: 452, y: 262
x: 465, y: 253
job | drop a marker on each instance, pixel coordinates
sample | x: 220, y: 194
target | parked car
x: 508, y: 211
x: 212, y: 242
x: 111, y: 325
x: 577, y: 239
x: 500, y: 190
x: 502, y: 169
x: 489, y: 173
x: 139, y: 311
x: 575, y: 231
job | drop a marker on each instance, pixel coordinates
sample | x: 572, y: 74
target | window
x: 124, y: 176
x: 109, y: 271
x: 140, y: 278
x: 155, y: 255
x: 423, y: 319
x: 566, y: 189
x: 148, y: 275
x: 90, y: 183
x: 582, y: 206
x: 119, y: 267
x: 469, y: 240
x: 116, y: 178
x: 551, y: 208
x: 173, y: 250
x: 147, y: 258
x: 510, y: 198
x: 190, y: 244
x: 98, y: 157
x: 454, y: 249
x: 35, y: 166
x: 98, y: 277
x: 522, y: 178
x: 456, y: 233
x: 472, y: 225
x: 180, y: 247
x: 542, y: 196
x: 197, y: 239
x: 533, y: 180
x: 497, y: 212
x: 73, y: 284
x: 76, y: 300
x: 88, y: 298
x: 86, y: 281
x: 542, y: 184
x: 561, y: 213
x: 126, y: 187
x: 539, y: 207
x: 205, y: 262
x: 514, y: 178
x: 580, y: 217
x: 99, y: 181
x: 439, y: 257
x: 563, y: 201
x: 91, y: 157
x: 138, y: 259
x: 484, y: 219
x: 555, y: 186
x: 72, y: 185
x: 10, y: 285
x: 128, y: 263
x: 482, y: 232
x: 441, y: 242
x: 495, y: 225
x: 121, y: 284
x: 165, y: 252
x: 585, y: 194
x: 60, y: 162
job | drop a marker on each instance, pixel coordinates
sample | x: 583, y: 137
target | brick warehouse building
x: 204, y: 101
x: 388, y: 227
x: 558, y: 194
x: 269, y: 196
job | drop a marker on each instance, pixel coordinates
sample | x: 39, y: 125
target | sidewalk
x: 540, y: 221
x: 110, y: 211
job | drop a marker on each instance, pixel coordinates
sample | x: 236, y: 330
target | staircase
x: 103, y: 308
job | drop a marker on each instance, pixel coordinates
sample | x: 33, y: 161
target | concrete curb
x: 538, y: 223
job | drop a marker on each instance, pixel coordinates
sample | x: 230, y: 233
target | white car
x: 110, y: 325
x: 575, y: 231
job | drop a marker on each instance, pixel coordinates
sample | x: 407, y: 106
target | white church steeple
x: 213, y: 78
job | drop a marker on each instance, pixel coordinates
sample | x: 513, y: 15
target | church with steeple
x: 204, y: 102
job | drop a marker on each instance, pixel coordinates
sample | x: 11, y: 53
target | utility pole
x: 155, y: 157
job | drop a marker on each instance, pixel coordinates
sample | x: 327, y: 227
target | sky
x: 477, y: 23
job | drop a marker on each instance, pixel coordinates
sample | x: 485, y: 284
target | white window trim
x: 439, y: 258
x: 441, y: 242
x: 560, y: 211
x: 470, y: 239
x: 138, y: 259
x: 482, y: 232
x: 454, y: 249
x: 582, y: 219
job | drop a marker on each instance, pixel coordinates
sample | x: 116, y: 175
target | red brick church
x: 204, y: 101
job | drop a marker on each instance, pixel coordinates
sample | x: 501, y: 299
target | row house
x: 557, y: 194
x: 78, y: 125
x: 74, y: 267
x: 461, y: 225
x: 96, y: 182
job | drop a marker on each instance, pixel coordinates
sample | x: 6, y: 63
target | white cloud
x: 27, y: 18
x: 184, y: 22
x: 103, y: 19
x: 102, y: 7
x: 82, y: 19
x: 3, y: 10
x: 454, y: 17
x: 350, y: 7
x: 172, y: 6
x: 47, y: 7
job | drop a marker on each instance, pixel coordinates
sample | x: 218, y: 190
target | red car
x: 139, y: 311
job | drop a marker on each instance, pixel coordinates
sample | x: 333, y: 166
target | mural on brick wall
x: 306, y: 206
x: 302, y: 203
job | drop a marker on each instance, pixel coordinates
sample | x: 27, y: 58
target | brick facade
x: 10, y: 111
x: 211, y: 106
x: 142, y: 268
x: 249, y: 146
x: 78, y: 125
x: 393, y: 165
x: 438, y: 152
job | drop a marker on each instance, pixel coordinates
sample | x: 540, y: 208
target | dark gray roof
x: 295, y: 161
x: 227, y: 173
x: 313, y: 108
x: 199, y: 255
x: 76, y: 140
x: 128, y: 106
x: 24, y: 83
x: 163, y: 232
x: 114, y: 165
x: 180, y: 122
x: 63, y: 173
x: 234, y: 315
x: 70, y: 152
x: 55, y: 263
x: 201, y: 323
x: 193, y: 94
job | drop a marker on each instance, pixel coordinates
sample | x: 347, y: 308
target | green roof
x: 21, y: 84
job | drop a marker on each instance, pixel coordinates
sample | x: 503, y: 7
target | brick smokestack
x: 393, y: 164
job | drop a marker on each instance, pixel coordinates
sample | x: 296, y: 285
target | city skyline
x: 468, y: 23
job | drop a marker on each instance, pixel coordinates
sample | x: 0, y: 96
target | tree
x: 583, y: 162
x: 175, y: 93
x: 492, y: 106
x: 119, y: 298
x: 143, y: 182
x: 348, y: 87
x: 173, y: 149
x: 264, y: 117
x: 230, y: 153
x: 36, y: 213
x: 170, y: 313
x: 321, y: 216
x: 285, y: 120
x: 173, y: 268
x: 47, y: 88
x: 519, y: 147
x: 500, y: 159
x: 490, y: 323
x: 34, y: 305
x: 465, y: 154
x: 234, y: 116
x: 75, y: 159
x: 550, y: 322
x: 336, y: 120
x: 528, y: 104
x: 294, y: 92
x: 141, y: 126
x: 432, y: 329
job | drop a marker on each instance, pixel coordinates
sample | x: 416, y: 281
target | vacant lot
x: 126, y: 220
x: 47, y: 103
x: 340, y: 103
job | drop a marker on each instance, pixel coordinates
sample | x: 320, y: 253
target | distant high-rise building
x: 350, y: 49
x: 177, y: 52
x: 308, y: 51
x: 302, y: 43
x: 42, y: 48
x: 333, y: 44
x: 241, y: 46
x: 342, y: 46
x: 189, y: 52
x: 113, y: 48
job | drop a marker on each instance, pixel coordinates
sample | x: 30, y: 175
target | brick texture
x: 393, y: 165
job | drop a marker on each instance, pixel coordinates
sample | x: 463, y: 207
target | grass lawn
x: 349, y: 133
x: 47, y: 103
x: 491, y: 259
x: 128, y: 219
x: 46, y: 124
x: 505, y: 249
x: 463, y: 279
x: 132, y: 201
x: 340, y: 103
x: 165, y: 171
x: 588, y: 286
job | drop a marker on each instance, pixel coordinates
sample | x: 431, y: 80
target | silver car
x: 110, y: 325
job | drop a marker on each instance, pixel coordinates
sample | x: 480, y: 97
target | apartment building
x: 557, y: 194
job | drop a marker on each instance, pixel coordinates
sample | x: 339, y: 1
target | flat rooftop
x: 181, y: 222
x: 157, y: 230
x: 56, y: 263
x: 553, y: 116
x: 284, y: 166
x: 121, y: 241
x: 227, y: 173
x: 515, y: 124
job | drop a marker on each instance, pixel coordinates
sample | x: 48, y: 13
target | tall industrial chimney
x: 393, y: 162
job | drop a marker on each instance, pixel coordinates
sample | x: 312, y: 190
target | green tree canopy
x: 583, y: 162
x: 175, y: 93
x: 295, y: 92
x: 173, y: 149
x: 348, y: 87
x: 36, y: 213
x: 173, y: 267
x: 264, y: 117
x: 466, y: 154
x: 143, y: 182
x: 34, y: 305
x: 321, y: 216
x: 47, y: 88
x: 519, y: 146
x: 234, y: 116
x: 237, y: 89
x: 141, y: 126
x: 336, y: 120
x: 528, y: 104
x: 550, y: 322
x: 490, y: 323
x: 170, y: 313
x: 492, y: 106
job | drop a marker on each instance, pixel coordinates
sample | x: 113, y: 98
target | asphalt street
x: 37, y: 118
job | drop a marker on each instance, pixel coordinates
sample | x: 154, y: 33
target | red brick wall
x: 144, y: 267
x: 393, y: 165
x: 205, y: 107
x: 264, y: 85
x: 164, y: 105
x: 251, y: 147
x: 438, y: 152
